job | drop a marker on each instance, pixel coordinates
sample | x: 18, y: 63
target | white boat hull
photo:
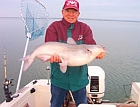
x: 39, y: 98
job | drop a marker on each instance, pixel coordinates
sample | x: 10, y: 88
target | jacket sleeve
x: 88, y: 36
x: 51, y: 34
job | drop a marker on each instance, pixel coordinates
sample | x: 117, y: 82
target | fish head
x: 95, y: 50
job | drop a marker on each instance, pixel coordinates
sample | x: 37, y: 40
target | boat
x: 37, y: 93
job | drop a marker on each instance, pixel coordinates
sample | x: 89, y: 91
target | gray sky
x: 96, y: 9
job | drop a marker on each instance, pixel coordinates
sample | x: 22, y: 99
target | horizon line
x: 118, y: 20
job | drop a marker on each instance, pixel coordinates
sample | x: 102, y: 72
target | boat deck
x: 117, y: 105
x: 37, y: 94
x: 126, y: 105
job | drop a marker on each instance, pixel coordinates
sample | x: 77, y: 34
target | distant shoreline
x: 115, y: 20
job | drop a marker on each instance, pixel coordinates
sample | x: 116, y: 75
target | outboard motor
x: 96, y: 86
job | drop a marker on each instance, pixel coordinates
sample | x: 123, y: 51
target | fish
x: 70, y: 53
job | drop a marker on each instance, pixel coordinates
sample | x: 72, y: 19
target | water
x: 121, y: 64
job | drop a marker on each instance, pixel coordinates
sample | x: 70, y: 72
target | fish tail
x: 27, y: 62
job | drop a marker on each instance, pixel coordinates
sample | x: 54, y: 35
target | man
x: 76, y: 78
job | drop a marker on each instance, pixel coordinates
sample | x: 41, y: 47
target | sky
x: 93, y: 9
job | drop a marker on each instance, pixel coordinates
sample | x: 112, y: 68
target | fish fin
x: 71, y: 41
x: 63, y: 69
x: 27, y: 62
x: 43, y: 58
x: 63, y: 66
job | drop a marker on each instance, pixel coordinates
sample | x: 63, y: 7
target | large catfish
x: 70, y: 53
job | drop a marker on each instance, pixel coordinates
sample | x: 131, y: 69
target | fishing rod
x: 6, y: 82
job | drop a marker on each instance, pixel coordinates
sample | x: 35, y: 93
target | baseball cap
x: 74, y: 4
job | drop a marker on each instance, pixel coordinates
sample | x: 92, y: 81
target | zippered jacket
x: 75, y: 78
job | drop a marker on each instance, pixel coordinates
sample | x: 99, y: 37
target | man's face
x: 70, y: 15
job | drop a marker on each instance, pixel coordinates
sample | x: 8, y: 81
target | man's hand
x: 55, y: 58
x: 102, y: 54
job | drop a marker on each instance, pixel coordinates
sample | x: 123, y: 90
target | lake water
x: 121, y: 64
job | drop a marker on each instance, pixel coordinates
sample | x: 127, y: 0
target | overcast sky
x: 96, y: 9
